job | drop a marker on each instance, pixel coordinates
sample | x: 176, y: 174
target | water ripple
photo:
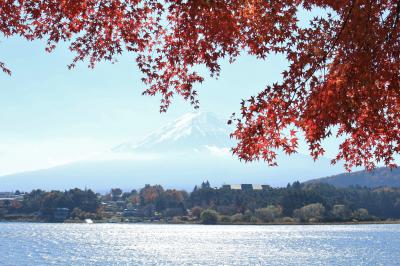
x: 141, y: 244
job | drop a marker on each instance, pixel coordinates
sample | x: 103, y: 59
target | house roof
x: 236, y: 186
x: 257, y: 187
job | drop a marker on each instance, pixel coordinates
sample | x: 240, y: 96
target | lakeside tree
x: 116, y: 193
x: 269, y: 214
x: 361, y: 214
x: 47, y: 202
x: 209, y: 217
x: 342, y: 212
x: 343, y: 65
x: 237, y: 218
x: 196, y: 211
x: 311, y: 212
x: 307, y: 202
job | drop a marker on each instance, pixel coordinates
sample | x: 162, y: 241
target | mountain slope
x: 191, y: 132
x: 181, y: 154
x: 380, y: 177
x: 170, y: 171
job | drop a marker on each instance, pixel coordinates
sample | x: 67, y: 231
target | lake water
x: 149, y: 244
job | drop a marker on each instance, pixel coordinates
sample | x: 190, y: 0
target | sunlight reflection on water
x: 132, y: 244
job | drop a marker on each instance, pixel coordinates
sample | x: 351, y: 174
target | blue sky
x: 46, y: 97
x: 51, y: 115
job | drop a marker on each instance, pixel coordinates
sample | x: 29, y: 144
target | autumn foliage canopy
x: 343, y: 74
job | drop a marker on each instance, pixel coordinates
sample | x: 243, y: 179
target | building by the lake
x: 245, y: 187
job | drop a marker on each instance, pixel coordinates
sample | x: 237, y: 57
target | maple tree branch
x: 396, y: 21
x: 340, y: 32
x: 5, y: 69
x: 397, y: 14
x: 322, y: 61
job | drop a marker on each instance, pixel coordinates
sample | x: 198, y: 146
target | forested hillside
x: 246, y: 203
x: 379, y: 177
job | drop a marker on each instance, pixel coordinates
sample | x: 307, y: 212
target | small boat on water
x: 88, y: 221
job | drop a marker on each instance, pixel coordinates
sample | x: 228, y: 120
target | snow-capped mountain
x: 191, y: 132
x: 183, y: 153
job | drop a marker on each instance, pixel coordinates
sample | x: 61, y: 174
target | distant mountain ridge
x: 379, y: 177
x: 181, y: 154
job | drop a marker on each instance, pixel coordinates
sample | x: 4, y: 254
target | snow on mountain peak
x: 192, y: 131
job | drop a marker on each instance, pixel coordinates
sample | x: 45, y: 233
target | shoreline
x: 198, y: 223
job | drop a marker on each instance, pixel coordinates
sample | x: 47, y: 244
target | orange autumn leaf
x: 343, y: 67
